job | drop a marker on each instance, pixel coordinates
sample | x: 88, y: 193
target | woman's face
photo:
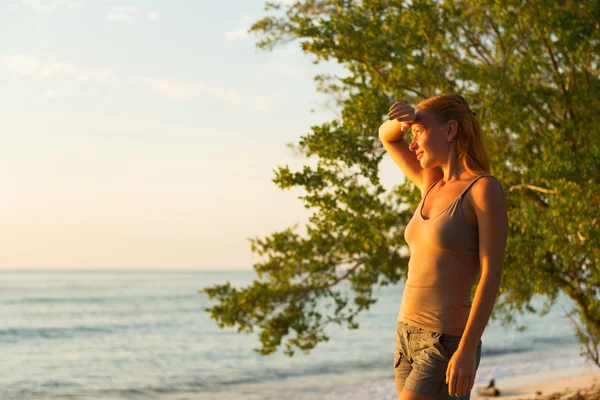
x: 428, y: 137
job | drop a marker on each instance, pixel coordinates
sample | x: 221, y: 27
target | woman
x: 455, y: 237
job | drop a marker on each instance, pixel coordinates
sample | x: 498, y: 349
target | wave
x: 16, y: 334
x: 96, y: 300
x: 498, y: 351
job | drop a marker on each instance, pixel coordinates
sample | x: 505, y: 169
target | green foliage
x: 529, y: 69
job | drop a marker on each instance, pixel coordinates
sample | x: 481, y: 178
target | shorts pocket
x: 397, y: 358
x: 449, y: 344
x: 438, y: 351
x: 429, y: 356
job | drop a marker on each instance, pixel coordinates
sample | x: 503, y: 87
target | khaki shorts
x: 421, y: 359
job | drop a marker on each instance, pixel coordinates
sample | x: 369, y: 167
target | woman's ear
x: 452, y: 126
x: 451, y: 130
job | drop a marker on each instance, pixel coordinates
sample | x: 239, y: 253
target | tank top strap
x: 471, y: 184
x: 431, y: 187
x: 424, y: 195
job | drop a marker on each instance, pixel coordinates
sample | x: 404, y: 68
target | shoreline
x: 546, y: 385
x: 556, y: 384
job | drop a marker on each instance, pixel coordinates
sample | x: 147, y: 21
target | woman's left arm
x: 492, y: 222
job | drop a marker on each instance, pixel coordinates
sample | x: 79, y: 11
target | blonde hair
x: 469, y: 142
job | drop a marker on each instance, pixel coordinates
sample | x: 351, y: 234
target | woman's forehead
x: 422, y: 118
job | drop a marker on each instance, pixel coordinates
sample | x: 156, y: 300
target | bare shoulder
x: 487, y: 194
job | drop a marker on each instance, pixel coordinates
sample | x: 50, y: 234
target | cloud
x: 153, y: 16
x: 45, y: 5
x: 26, y: 65
x: 123, y: 14
x: 171, y: 89
x: 184, y: 91
x: 236, y: 34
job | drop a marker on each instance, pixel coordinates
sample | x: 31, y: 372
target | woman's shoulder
x: 483, y: 187
x: 483, y: 175
x: 487, y: 176
x: 478, y: 194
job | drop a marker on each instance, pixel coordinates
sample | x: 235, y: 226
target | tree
x: 529, y: 69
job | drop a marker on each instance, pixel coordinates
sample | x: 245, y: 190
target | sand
x: 577, y: 383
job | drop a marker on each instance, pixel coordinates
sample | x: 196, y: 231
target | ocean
x: 145, y: 335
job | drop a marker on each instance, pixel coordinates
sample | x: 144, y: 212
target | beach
x: 582, y: 382
x: 574, y: 383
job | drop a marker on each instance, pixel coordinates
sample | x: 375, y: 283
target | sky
x: 145, y: 134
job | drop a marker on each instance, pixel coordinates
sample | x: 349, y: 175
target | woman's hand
x: 402, y: 112
x: 460, y: 374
